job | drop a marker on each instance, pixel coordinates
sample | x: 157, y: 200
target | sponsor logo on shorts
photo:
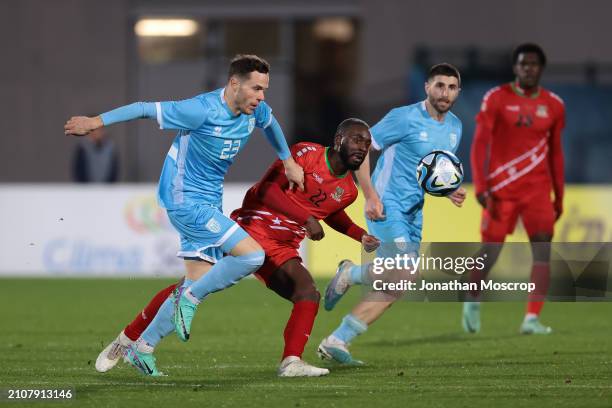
x: 400, y: 243
x: 213, y: 226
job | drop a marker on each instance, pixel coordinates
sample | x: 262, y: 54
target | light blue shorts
x: 205, y: 232
x: 398, y: 233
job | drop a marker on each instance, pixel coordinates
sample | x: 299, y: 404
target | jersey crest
x: 453, y: 139
x: 251, y: 124
x: 542, y: 111
x: 337, y: 195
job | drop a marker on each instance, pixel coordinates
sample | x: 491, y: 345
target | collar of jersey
x: 521, y: 92
x: 225, y: 105
x: 329, y: 166
x: 428, y: 116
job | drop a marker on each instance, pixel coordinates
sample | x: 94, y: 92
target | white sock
x: 191, y: 297
x: 124, y: 340
x: 529, y: 316
x: 143, y: 346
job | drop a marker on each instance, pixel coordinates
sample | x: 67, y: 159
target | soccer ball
x: 439, y: 173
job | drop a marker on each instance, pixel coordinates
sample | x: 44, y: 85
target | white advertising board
x: 83, y: 230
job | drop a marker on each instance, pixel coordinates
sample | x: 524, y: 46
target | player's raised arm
x: 293, y: 171
x: 82, y: 125
x: 373, y: 206
x: 277, y: 200
x: 480, y: 146
x: 341, y: 222
x: 186, y: 114
x: 556, y: 159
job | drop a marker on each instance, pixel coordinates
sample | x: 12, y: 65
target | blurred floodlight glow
x: 149, y: 27
x: 337, y: 28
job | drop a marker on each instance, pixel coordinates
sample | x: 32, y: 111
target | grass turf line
x: 417, y: 355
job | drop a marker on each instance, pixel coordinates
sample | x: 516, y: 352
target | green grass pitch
x: 417, y: 355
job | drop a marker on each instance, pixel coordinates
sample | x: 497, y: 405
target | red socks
x: 299, y: 327
x: 540, y: 275
x: 142, y: 320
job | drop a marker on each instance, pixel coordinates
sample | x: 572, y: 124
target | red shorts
x: 278, y: 249
x: 500, y: 217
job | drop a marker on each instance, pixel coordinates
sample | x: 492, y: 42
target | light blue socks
x: 163, y: 323
x: 226, y: 272
x: 350, y: 328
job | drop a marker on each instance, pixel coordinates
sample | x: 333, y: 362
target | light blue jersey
x: 405, y: 135
x: 210, y: 136
x: 191, y: 183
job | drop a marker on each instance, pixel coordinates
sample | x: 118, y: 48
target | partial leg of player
x: 109, y: 357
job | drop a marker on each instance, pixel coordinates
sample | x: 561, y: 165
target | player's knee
x: 541, y: 237
x: 252, y: 261
x: 309, y: 293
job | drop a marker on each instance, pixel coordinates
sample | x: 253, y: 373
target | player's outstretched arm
x: 373, y: 206
x: 275, y: 199
x: 314, y: 230
x: 370, y: 242
x: 478, y: 158
x: 341, y: 222
x: 82, y: 125
x: 187, y: 114
x: 458, y: 196
x: 485, y: 122
x: 293, y: 171
x: 556, y: 159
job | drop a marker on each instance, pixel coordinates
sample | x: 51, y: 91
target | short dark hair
x: 243, y: 64
x: 529, y: 47
x: 445, y: 69
x: 347, y: 123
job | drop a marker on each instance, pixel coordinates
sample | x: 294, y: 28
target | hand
x: 558, y: 206
x: 374, y: 208
x: 458, y: 196
x: 82, y: 125
x: 294, y: 173
x: 369, y: 242
x: 482, y: 199
x: 314, y: 230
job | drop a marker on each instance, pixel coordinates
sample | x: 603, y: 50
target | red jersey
x: 517, y: 143
x: 280, y: 213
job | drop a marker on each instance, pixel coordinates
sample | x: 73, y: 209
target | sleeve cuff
x: 160, y: 118
x: 375, y: 145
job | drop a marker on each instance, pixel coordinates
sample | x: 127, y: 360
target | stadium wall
x: 570, y: 32
x: 67, y: 57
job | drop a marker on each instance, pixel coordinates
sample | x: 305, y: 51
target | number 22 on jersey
x: 230, y: 149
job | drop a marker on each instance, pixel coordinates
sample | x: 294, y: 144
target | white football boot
x: 333, y: 349
x: 293, y: 366
x: 109, y: 357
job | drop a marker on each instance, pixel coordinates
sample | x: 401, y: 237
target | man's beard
x: 439, y: 109
x: 346, y: 160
